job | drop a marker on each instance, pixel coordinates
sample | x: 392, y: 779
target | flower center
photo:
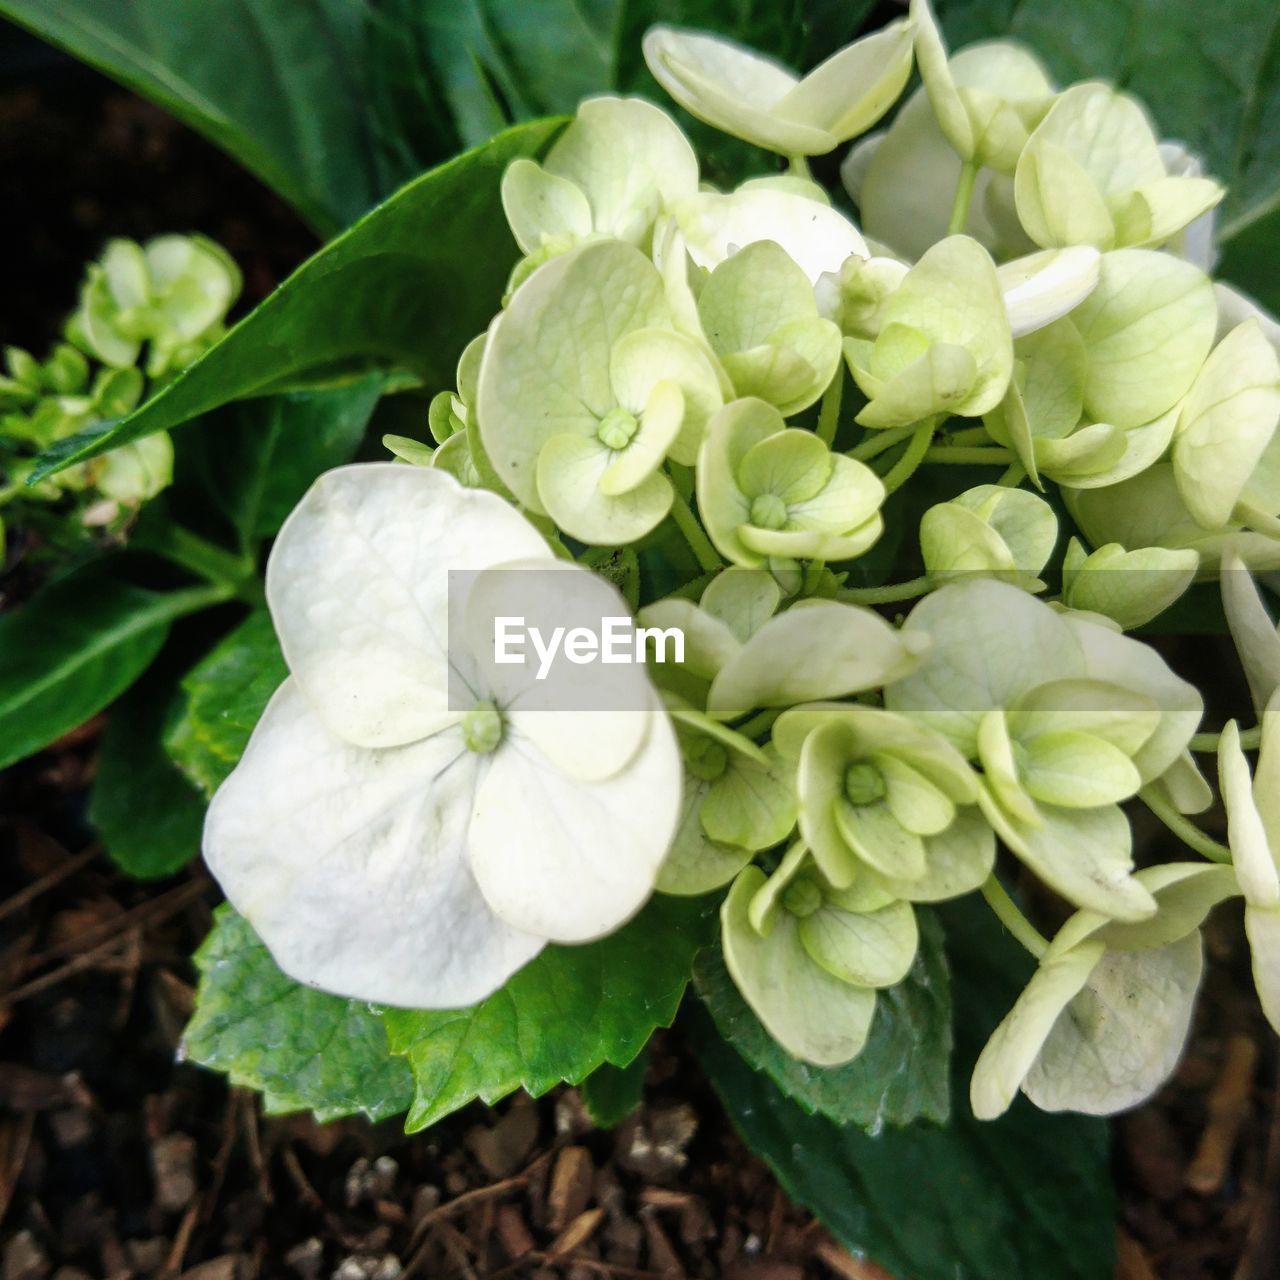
x: 863, y: 784
x: 482, y: 728
x: 768, y: 511
x: 705, y: 758
x: 802, y: 897
x: 617, y: 428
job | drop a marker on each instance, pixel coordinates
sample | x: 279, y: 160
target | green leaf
x: 225, y: 694
x: 902, y: 1074
x: 1224, y: 101
x: 1027, y: 1197
x: 258, y: 458
x: 562, y: 1016
x: 304, y: 1049
x: 610, y: 1094
x: 77, y: 645
x: 147, y: 813
x: 280, y: 84
x: 404, y: 288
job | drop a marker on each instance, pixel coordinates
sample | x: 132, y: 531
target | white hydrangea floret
x: 389, y: 841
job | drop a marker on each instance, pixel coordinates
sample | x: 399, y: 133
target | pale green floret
x: 1097, y: 716
x: 905, y: 179
x: 1147, y: 329
x: 1255, y: 635
x: 579, y: 419
x: 944, y: 345
x: 760, y: 317
x: 885, y: 803
x: 986, y: 123
x: 482, y: 728
x: 770, y: 493
x: 752, y: 97
x: 808, y: 958
x: 1253, y: 832
x: 171, y: 294
x: 737, y: 800
x: 1102, y: 1023
x: 620, y: 164
x: 1226, y: 423
x: 1130, y: 587
x: 992, y: 530
x: 1092, y: 173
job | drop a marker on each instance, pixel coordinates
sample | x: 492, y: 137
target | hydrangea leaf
x: 305, y: 1049
x: 901, y: 1073
x: 1147, y: 328
x: 1226, y: 423
x: 559, y: 1018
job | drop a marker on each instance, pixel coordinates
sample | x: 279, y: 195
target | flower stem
x: 881, y: 440
x: 829, y: 413
x: 964, y: 198
x: 708, y: 559
x: 886, y: 595
x: 759, y: 723
x: 901, y: 471
x: 969, y: 435
x: 798, y: 167
x: 979, y: 457
x: 1207, y: 743
x: 1014, y: 475
x: 1183, y: 827
x: 1006, y: 911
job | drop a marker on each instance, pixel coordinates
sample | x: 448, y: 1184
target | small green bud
x: 863, y: 784
x: 617, y: 428
x: 482, y: 728
x: 705, y: 758
x: 768, y: 511
x: 802, y: 897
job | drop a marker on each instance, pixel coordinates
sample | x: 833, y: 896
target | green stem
x: 901, y: 471
x: 759, y: 723
x: 708, y: 559
x: 881, y: 441
x: 1250, y: 740
x: 798, y: 167
x: 1183, y: 827
x: 197, y: 555
x: 829, y: 413
x: 1014, y: 475
x: 995, y: 457
x: 1006, y: 911
x: 970, y: 435
x: 886, y: 595
x: 964, y: 198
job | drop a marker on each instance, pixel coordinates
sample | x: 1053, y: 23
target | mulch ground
x: 117, y: 1160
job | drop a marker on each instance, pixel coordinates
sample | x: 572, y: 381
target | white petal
x: 1121, y: 1037
x: 1263, y: 930
x: 358, y: 587
x: 351, y: 864
x: 1042, y: 287
x: 1252, y: 629
x: 571, y: 860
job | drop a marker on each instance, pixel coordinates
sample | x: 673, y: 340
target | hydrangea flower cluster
x: 144, y: 313
x: 1026, y: 291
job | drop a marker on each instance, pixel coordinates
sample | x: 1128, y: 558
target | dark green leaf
x: 1210, y: 80
x: 405, y: 288
x: 304, y: 1049
x: 257, y: 458
x: 904, y: 1072
x: 80, y: 643
x: 148, y: 815
x: 610, y: 1094
x: 280, y: 84
x: 559, y: 1018
x: 225, y: 694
